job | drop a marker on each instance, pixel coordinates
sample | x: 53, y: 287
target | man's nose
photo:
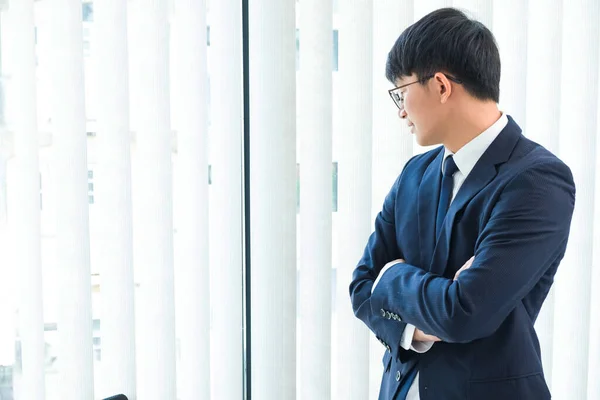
x: 402, y: 113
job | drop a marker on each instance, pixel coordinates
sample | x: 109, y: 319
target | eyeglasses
x: 398, y: 97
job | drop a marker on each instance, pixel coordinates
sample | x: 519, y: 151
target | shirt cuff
x: 407, y: 337
x: 407, y: 342
x: 383, y: 270
x: 421, y: 347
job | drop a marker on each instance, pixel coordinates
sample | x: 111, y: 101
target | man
x: 471, y: 234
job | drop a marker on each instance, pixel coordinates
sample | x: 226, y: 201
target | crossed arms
x: 524, y: 237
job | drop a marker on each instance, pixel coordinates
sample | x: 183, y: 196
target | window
x: 88, y: 12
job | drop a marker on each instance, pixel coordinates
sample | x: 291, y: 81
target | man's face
x: 421, y: 109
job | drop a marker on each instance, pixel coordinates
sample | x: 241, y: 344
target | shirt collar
x: 469, y: 154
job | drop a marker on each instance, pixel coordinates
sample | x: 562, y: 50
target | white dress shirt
x: 465, y: 160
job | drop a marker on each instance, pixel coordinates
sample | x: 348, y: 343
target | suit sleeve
x: 381, y: 248
x: 526, y: 234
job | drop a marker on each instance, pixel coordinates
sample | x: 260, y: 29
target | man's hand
x: 466, y: 266
x: 421, y: 336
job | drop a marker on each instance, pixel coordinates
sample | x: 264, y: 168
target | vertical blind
x: 115, y: 231
x: 314, y: 154
x: 122, y: 223
x: 353, y: 96
x: 27, y: 233
x: 70, y: 163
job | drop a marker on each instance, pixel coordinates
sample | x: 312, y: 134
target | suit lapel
x: 429, y: 193
x: 482, y: 174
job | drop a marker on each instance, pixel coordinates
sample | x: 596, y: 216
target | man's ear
x: 443, y: 86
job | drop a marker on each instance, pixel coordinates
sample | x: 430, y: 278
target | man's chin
x: 426, y: 141
x: 422, y: 141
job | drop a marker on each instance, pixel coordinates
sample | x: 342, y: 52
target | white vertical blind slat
x: 113, y: 178
x: 26, y: 208
x: 315, y: 223
x: 544, y: 55
x: 273, y: 198
x: 226, y: 200
x: 72, y: 214
x: 153, y: 204
x: 354, y: 194
x: 190, y: 89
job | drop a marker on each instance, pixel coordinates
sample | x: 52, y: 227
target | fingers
x: 420, y: 336
x: 431, y: 338
x: 435, y: 338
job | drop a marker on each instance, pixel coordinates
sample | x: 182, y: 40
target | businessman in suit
x: 471, y: 234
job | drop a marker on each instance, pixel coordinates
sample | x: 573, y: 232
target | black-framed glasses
x: 398, y: 97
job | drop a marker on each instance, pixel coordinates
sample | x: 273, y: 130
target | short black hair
x: 447, y: 40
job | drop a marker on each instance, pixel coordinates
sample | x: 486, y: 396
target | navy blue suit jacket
x: 513, y: 213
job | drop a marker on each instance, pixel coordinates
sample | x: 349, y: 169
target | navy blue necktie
x: 450, y: 169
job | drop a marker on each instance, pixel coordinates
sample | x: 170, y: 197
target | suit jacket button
x: 398, y: 376
x: 383, y: 312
